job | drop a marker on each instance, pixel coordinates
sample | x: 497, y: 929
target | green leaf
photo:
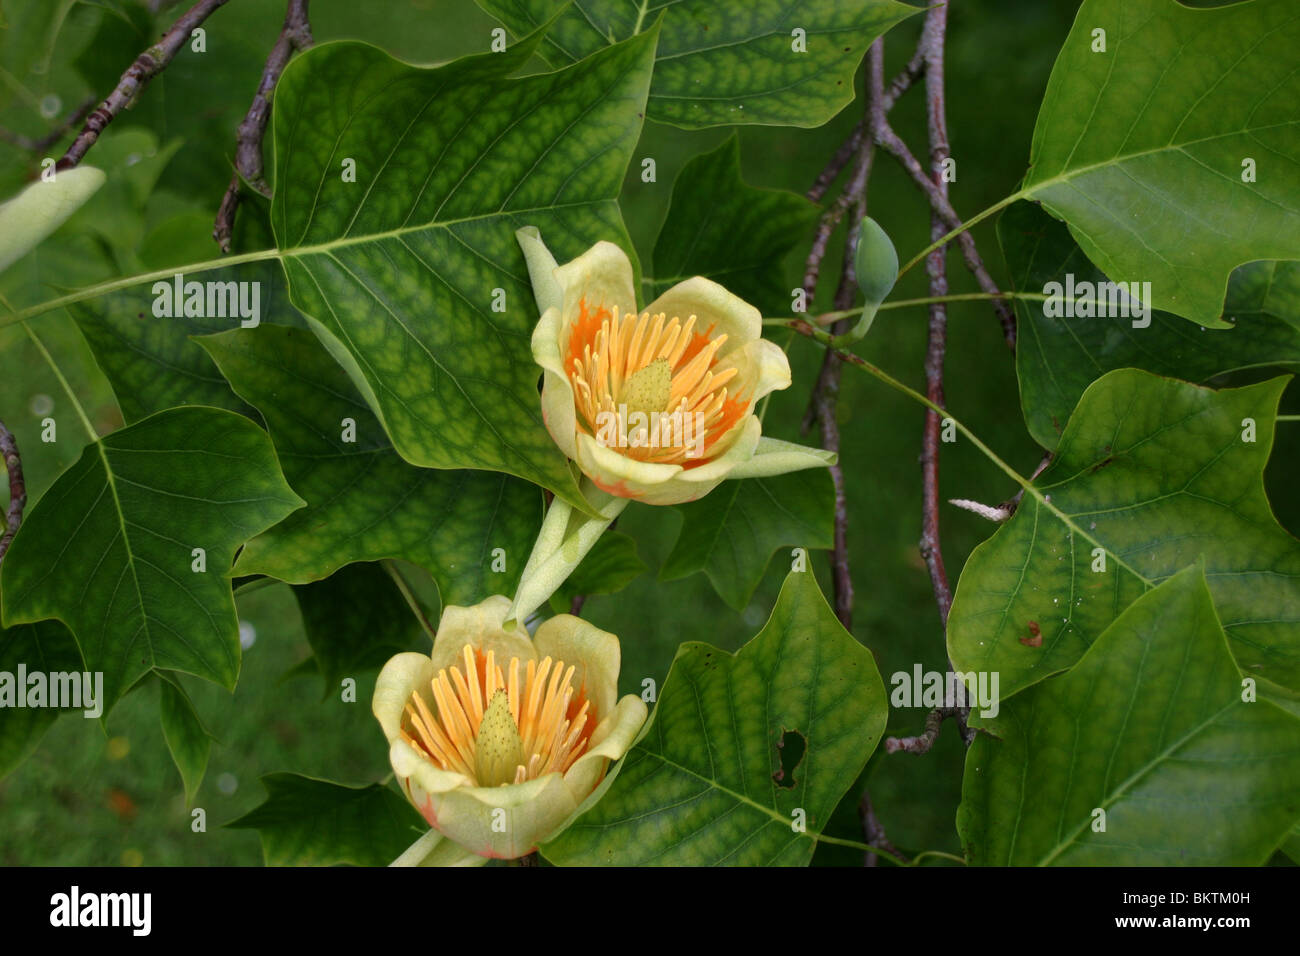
x: 1269, y: 289
x: 47, y: 647
x: 740, y: 748
x: 356, y: 619
x: 399, y: 269
x: 364, y: 502
x: 108, y: 549
x: 1058, y: 357
x: 723, y: 62
x: 732, y: 534
x: 1140, y: 148
x: 1156, y: 473
x: 610, y: 566
x: 310, y: 822
x: 1150, y: 727
x: 720, y: 227
x: 187, y: 741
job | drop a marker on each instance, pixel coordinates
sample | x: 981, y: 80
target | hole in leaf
x: 789, y: 751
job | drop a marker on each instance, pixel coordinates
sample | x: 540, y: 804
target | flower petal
x: 712, y: 305
x: 594, y: 653
x: 613, y: 738
x: 541, y: 269
x: 482, y: 626
x: 400, y: 677
x: 761, y: 367
x: 776, y: 457
x: 601, y: 276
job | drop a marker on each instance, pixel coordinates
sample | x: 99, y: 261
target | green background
x: 90, y: 797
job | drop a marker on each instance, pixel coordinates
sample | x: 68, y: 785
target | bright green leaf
x: 309, y: 822
x: 1057, y: 357
x: 1151, y: 475
x: 1142, y: 148
x: 731, y: 534
x: 364, y: 502
x: 711, y: 780
x: 1149, y: 727
x: 109, y: 549
x: 723, y: 62
x: 405, y: 270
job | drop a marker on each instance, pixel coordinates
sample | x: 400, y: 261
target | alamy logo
x: 103, y: 909
x: 62, y: 689
x: 1085, y: 300
x: 934, y: 689
x: 211, y: 300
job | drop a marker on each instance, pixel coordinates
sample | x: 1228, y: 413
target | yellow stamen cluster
x: 537, y: 734
x: 653, y: 364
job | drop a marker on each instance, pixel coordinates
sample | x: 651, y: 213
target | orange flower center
x: 650, y: 386
x: 494, y: 727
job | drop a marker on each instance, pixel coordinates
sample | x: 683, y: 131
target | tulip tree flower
x: 496, y: 739
x: 656, y: 406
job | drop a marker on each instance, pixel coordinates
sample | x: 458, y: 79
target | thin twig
x: 903, y: 81
x: 17, y: 487
x: 825, y: 395
x: 932, y: 43
x: 897, y: 87
x: 874, y: 833
x: 146, y: 66
x: 848, y: 149
x: 294, y: 35
x: 53, y: 136
x: 890, y: 141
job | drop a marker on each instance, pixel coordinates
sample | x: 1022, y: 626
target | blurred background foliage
x: 108, y: 796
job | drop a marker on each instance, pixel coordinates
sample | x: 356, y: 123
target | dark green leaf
x: 398, y: 269
x: 1149, y: 727
x: 109, y: 548
x: 356, y: 619
x: 742, y: 748
x: 731, y: 534
x: 723, y: 62
x: 721, y: 228
x: 1058, y: 357
x: 47, y: 647
x: 309, y: 822
x: 187, y: 741
x: 1140, y: 148
x: 364, y: 502
x: 1151, y: 475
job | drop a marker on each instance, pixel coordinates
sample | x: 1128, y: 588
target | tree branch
x: 53, y: 136
x: 146, y: 66
x: 17, y: 487
x: 294, y: 35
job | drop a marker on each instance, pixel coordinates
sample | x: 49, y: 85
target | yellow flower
x: 497, y: 739
x: 656, y: 406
